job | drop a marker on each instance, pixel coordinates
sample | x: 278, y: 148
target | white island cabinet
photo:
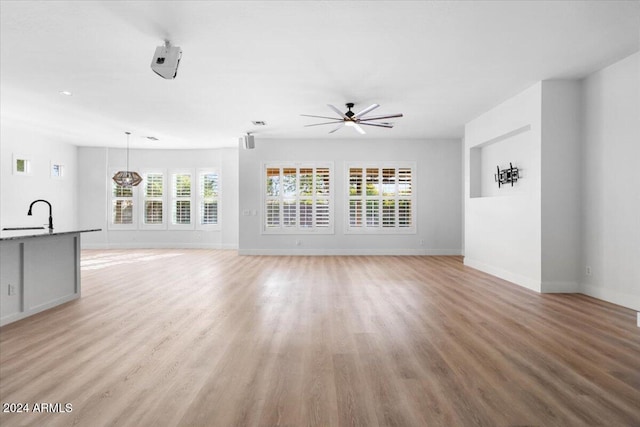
x: 38, y: 270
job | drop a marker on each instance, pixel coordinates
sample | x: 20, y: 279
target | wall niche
x: 516, y: 147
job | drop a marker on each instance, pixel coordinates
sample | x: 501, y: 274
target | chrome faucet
x: 50, y: 217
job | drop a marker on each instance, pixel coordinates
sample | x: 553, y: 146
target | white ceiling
x: 441, y: 63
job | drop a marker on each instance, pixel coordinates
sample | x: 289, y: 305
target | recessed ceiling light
x: 65, y: 93
x: 259, y: 122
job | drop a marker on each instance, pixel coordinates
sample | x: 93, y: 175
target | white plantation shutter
x: 272, y: 201
x: 322, y: 198
x: 121, y: 204
x: 323, y: 216
x: 388, y: 190
x: 175, y: 199
x: 153, y: 199
x: 405, y: 198
x: 289, y: 192
x: 208, y: 195
x: 381, y: 198
x: 272, y: 213
x: 298, y: 197
x: 373, y: 213
x: 181, y: 199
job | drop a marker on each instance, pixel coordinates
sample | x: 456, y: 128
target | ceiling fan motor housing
x: 349, y: 113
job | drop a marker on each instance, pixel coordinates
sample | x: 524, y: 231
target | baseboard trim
x: 14, y: 317
x: 620, y: 298
x: 350, y: 252
x: 560, y: 287
x: 525, y: 282
x: 160, y: 246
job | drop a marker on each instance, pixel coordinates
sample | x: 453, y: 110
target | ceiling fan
x: 355, y: 120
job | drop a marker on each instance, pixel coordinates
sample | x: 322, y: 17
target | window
x: 208, y: 199
x: 21, y: 165
x: 57, y: 170
x: 181, y: 200
x: 298, y: 198
x: 153, y: 194
x: 122, y: 207
x: 381, y: 198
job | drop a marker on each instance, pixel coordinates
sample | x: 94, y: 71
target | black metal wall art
x: 505, y: 176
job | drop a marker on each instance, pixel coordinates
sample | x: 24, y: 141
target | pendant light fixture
x: 127, y: 178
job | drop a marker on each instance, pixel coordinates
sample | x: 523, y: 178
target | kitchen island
x: 39, y: 270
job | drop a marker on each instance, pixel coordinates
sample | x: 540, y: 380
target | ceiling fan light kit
x: 354, y: 120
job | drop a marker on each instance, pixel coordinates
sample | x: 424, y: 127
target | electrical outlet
x: 12, y: 290
x: 298, y: 242
x: 588, y: 270
x: 421, y: 242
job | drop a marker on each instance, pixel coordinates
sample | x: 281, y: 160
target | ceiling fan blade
x: 367, y: 110
x: 388, y: 116
x: 321, y: 117
x: 325, y: 123
x: 340, y: 126
x: 382, y: 125
x: 340, y: 113
x: 359, y: 129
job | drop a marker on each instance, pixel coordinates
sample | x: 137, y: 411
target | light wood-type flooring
x: 210, y: 338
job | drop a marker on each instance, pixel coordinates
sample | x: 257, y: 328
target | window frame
x: 62, y: 170
x: 28, y: 165
x: 380, y: 228
x: 139, y: 198
x: 143, y: 199
x: 199, y: 198
x: 330, y: 198
x: 172, y: 199
x: 134, y: 200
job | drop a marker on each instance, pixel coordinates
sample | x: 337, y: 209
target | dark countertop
x: 26, y: 234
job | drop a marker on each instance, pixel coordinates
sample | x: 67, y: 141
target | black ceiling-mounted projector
x: 166, y: 60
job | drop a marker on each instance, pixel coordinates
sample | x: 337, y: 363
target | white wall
x: 92, y: 200
x: 96, y: 164
x: 561, y: 185
x: 585, y: 208
x: 502, y: 152
x: 502, y: 227
x: 527, y: 233
x: 438, y: 193
x: 611, y: 183
x: 18, y: 191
